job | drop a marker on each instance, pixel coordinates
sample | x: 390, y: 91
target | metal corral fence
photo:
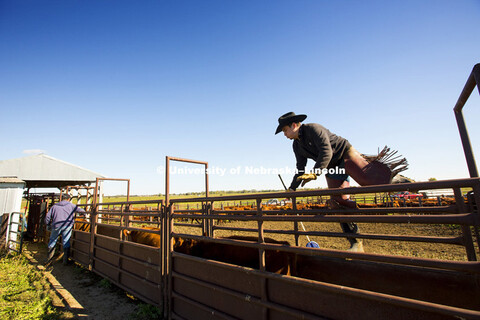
x: 319, y: 283
x: 325, y: 283
x: 193, y: 274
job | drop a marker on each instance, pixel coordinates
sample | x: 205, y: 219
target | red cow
x: 105, y: 230
x: 147, y: 238
x: 275, y: 260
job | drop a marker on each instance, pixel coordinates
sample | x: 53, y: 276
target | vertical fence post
x: 204, y: 221
x: 467, y: 233
x: 295, y: 223
x: 261, y: 237
x: 472, y: 81
x: 262, y: 260
x: 475, y: 202
x: 166, y: 260
x: 93, y: 230
x: 210, y: 221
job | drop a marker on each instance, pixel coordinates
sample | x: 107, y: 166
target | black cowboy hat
x: 289, y: 118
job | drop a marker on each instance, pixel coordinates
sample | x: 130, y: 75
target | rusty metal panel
x: 105, y: 269
x: 81, y: 235
x: 108, y: 243
x: 453, y: 288
x: 341, y: 303
x: 279, y: 315
x: 199, y: 284
x: 218, y: 274
x: 80, y: 246
x: 142, y: 252
x: 142, y: 271
x: 81, y: 258
x: 142, y: 288
x: 189, y: 309
x: 227, y: 292
x: 106, y: 256
x: 215, y: 300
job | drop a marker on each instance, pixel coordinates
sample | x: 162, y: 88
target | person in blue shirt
x: 60, y: 220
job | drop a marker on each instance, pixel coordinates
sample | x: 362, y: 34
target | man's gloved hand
x: 307, y: 177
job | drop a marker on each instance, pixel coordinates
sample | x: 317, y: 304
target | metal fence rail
x: 456, y: 214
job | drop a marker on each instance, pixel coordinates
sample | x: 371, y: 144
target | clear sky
x: 115, y: 86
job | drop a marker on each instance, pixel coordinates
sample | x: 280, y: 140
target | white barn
x: 37, y: 171
x: 42, y: 171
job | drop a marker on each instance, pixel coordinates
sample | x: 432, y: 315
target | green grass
x: 105, y: 283
x: 24, y: 292
x: 145, y: 312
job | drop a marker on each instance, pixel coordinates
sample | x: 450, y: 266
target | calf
x: 275, y: 260
x: 147, y: 238
x: 105, y: 230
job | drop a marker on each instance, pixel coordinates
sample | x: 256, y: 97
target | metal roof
x: 42, y: 171
x: 11, y: 180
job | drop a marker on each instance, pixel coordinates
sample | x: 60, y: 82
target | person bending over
x: 336, y: 156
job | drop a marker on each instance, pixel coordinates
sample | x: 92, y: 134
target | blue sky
x: 115, y: 86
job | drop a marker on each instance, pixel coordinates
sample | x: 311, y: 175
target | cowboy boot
x: 66, y: 256
x: 356, y: 246
x: 51, y: 253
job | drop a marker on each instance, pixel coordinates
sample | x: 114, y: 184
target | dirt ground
x: 80, y: 293
x: 402, y: 248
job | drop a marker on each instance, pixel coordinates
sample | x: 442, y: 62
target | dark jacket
x: 317, y: 143
x: 62, y: 214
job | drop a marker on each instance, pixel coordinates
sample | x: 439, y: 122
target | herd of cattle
x: 429, y: 202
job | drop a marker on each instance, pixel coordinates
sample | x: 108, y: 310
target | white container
x: 11, y: 192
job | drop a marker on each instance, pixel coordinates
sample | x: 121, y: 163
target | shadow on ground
x: 81, y: 292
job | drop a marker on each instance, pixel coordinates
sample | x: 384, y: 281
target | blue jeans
x: 65, y: 232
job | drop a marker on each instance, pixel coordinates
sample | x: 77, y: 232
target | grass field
x: 24, y: 292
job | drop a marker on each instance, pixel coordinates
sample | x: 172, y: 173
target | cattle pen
x: 191, y: 258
